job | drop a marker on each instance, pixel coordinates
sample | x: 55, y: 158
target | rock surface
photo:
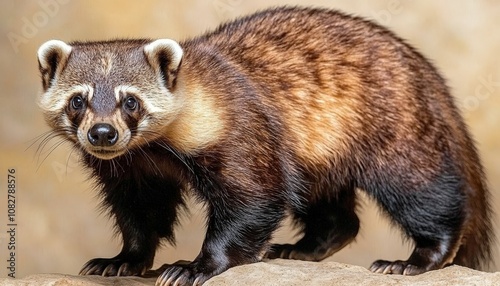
x: 285, y: 272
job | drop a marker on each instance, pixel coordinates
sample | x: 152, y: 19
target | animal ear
x: 165, y: 56
x: 52, y: 56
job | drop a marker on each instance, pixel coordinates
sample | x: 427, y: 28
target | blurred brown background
x: 59, y: 226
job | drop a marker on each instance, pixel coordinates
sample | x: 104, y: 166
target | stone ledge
x: 284, y: 272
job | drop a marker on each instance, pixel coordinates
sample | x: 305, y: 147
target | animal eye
x: 131, y: 103
x: 77, y: 102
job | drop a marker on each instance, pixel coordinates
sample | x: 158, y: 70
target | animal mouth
x: 102, y: 152
x: 105, y: 154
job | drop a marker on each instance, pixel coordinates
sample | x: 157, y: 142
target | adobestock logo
x: 31, y: 25
x: 486, y: 87
x: 393, y: 7
x: 224, y: 8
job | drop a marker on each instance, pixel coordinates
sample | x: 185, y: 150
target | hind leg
x: 426, y: 256
x: 329, y: 224
x: 433, y: 217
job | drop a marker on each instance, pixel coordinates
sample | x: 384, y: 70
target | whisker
x: 93, y: 159
x: 69, y: 157
x: 151, y: 162
x: 44, y: 139
x: 44, y: 142
x: 127, y: 157
x: 176, y: 154
x: 115, y: 164
x: 167, y: 147
x: 53, y: 148
x: 41, y: 139
x: 37, y: 139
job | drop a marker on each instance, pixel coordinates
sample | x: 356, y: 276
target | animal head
x: 109, y: 97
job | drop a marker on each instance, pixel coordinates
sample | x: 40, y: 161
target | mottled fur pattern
x: 287, y: 109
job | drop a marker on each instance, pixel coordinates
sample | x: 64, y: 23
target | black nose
x: 102, y: 134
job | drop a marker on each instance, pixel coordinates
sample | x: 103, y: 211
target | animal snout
x: 102, y: 134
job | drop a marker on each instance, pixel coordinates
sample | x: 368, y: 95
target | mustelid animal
x: 288, y: 110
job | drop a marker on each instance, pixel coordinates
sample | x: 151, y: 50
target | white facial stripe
x: 125, y: 89
x: 55, y: 101
x: 148, y: 104
x: 88, y: 90
x: 106, y: 64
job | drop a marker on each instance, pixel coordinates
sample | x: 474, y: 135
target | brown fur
x: 289, y: 108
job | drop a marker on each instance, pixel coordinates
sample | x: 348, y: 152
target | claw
x: 181, y: 273
x: 164, y: 278
x: 197, y: 281
x: 107, y: 270
x: 114, y: 267
x: 123, y: 268
x: 143, y: 271
x: 173, y: 275
x: 85, y: 269
x: 93, y: 269
x: 396, y: 267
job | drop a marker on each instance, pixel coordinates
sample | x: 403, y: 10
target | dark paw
x: 396, y: 267
x: 113, y: 267
x: 291, y: 251
x: 284, y: 251
x: 181, y: 273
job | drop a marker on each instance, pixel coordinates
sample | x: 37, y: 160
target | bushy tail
x: 478, y: 236
x: 475, y: 251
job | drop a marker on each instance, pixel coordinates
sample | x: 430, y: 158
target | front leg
x: 237, y: 234
x: 135, y: 258
x: 139, y: 246
x: 145, y: 210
